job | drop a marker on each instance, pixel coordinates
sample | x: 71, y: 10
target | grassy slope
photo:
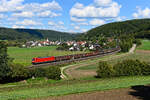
x: 137, y: 55
x: 145, y: 45
x: 25, y: 55
x: 87, y: 86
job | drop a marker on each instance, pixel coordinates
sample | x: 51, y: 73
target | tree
x: 4, y: 60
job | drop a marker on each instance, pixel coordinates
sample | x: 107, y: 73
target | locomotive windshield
x: 33, y: 59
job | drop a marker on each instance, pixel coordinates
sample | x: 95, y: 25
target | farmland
x: 68, y: 87
x: 25, y: 55
x: 145, y: 45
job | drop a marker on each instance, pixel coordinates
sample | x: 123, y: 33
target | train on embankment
x: 42, y: 60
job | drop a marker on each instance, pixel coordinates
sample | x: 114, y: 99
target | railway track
x: 72, y: 60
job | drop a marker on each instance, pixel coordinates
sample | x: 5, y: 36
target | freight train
x: 41, y: 60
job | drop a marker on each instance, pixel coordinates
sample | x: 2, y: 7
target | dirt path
x: 133, y: 93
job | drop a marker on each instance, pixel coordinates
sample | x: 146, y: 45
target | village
x: 71, y: 45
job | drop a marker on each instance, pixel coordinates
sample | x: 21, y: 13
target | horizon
x: 69, y: 16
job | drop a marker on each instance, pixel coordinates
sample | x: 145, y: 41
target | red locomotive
x: 41, y: 60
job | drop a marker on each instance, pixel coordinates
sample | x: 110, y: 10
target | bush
x: 38, y: 72
x: 137, y: 42
x: 19, y: 72
x: 104, y: 70
x: 4, y: 60
x: 128, y: 68
x: 145, y: 67
x: 53, y: 72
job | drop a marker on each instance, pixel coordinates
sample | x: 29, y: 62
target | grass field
x: 143, y: 56
x: 145, y: 45
x: 25, y: 55
x: 70, y: 87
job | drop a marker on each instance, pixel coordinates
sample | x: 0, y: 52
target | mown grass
x: 64, y: 89
x: 24, y: 55
x: 145, y: 45
x: 88, y: 67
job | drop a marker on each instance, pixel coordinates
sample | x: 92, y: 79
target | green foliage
x: 138, y: 27
x: 33, y: 34
x: 63, y: 46
x: 137, y: 42
x: 126, y: 43
x: 4, y: 60
x: 104, y: 70
x: 38, y: 72
x: 125, y: 68
x: 53, y: 72
x: 145, y: 67
x: 128, y: 68
x: 19, y: 72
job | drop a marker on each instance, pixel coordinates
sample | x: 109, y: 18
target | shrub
x: 104, y: 70
x: 137, y: 42
x: 38, y: 72
x: 53, y: 72
x: 19, y: 72
x: 128, y: 68
x: 4, y: 60
x: 145, y: 67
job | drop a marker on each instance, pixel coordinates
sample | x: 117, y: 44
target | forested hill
x: 138, y: 27
x: 33, y: 34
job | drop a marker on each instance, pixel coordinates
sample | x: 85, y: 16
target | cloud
x: 48, y: 14
x: 77, y: 19
x: 57, y: 25
x: 17, y: 26
x: 27, y: 22
x: 26, y: 14
x: 145, y: 13
x: 102, y: 2
x: 3, y: 16
x: 10, y: 5
x: 111, y: 10
x: 76, y: 27
x: 83, y: 23
x: 96, y: 22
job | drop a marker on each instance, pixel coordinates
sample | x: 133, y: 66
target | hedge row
x: 18, y: 72
x: 124, y: 68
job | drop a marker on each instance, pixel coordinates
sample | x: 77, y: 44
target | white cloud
x: 17, y: 26
x: 102, y: 2
x: 83, y: 23
x: 57, y: 25
x: 61, y: 23
x: 48, y: 14
x: 76, y: 27
x: 84, y: 30
x: 77, y: 19
x: 2, y: 16
x: 27, y: 22
x: 111, y: 10
x: 145, y: 13
x: 10, y: 5
x: 27, y: 14
x: 96, y: 22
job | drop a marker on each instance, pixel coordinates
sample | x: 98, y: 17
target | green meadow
x: 24, y: 55
x: 145, y: 45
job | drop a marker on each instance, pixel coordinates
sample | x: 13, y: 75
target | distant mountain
x: 33, y: 34
x: 138, y: 27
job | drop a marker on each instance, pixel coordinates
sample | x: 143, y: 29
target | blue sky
x: 69, y: 15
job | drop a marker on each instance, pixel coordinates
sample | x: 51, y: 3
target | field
x: 80, y: 78
x: 142, y: 53
x: 24, y: 55
x: 145, y: 45
x: 46, y: 89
